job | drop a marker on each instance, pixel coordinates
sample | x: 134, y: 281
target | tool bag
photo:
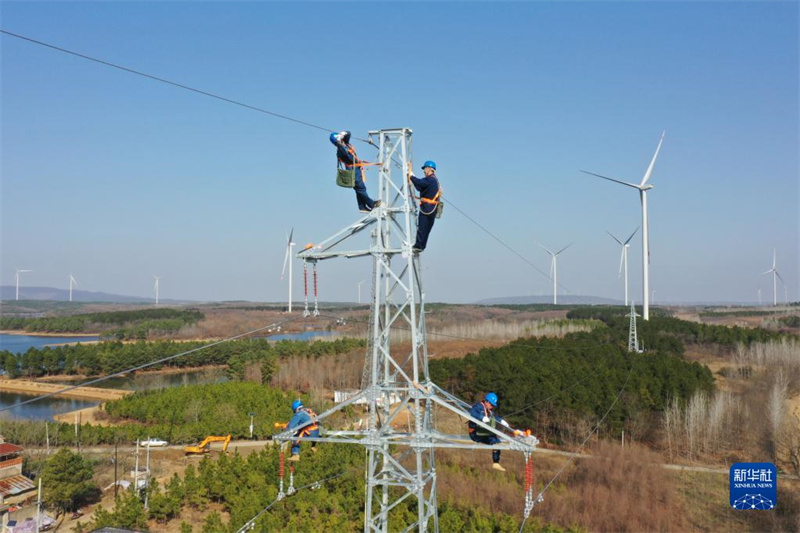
x: 439, y: 209
x: 344, y: 177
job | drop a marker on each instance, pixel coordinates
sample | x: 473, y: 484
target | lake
x: 21, y: 343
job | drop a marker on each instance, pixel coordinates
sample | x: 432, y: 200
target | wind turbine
x: 71, y: 283
x: 759, y: 297
x: 775, y: 277
x: 643, y: 187
x: 623, y: 260
x: 359, y: 289
x: 554, y: 269
x: 289, y: 244
x: 155, y: 287
x: 16, y: 279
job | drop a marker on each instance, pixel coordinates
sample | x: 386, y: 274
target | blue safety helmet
x: 492, y: 399
x: 334, y: 138
x: 297, y: 404
x: 429, y: 163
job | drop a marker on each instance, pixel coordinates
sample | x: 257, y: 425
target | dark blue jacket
x: 478, y: 411
x: 428, y: 188
x: 344, y: 155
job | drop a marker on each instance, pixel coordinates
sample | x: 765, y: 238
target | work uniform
x: 302, y: 416
x: 429, y: 193
x: 346, y: 154
x: 478, y: 433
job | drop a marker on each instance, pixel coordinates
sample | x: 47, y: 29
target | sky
x: 116, y: 178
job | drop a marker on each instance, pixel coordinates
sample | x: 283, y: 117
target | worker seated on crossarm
x: 302, y: 415
x: 429, y: 194
x: 346, y: 155
x: 484, y: 411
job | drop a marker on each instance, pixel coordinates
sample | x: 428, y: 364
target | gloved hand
x: 504, y: 423
x: 486, y: 419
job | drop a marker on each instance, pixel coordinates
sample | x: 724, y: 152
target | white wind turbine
x: 155, y: 287
x: 759, y: 297
x: 16, y: 279
x: 623, y: 260
x: 775, y: 277
x: 643, y: 187
x: 72, y: 283
x: 286, y: 260
x: 554, y: 269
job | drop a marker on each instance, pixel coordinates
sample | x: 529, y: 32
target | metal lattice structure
x: 633, y: 339
x: 400, y: 434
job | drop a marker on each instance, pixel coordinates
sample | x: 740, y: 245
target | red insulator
x: 291, y: 469
x: 280, y: 468
x: 315, y: 281
x: 305, y: 280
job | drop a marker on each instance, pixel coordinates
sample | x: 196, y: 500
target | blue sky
x: 116, y: 178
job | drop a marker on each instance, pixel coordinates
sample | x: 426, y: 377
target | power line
x: 168, y: 82
x: 577, y: 451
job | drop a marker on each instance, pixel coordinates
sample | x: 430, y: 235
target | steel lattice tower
x: 400, y: 462
x: 633, y: 340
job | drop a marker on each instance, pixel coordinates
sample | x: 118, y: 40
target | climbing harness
x: 346, y: 177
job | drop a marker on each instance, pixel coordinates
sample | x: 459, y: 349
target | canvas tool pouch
x: 346, y: 178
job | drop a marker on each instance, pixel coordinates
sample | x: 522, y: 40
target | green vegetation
x: 244, y: 486
x: 593, y: 366
x: 118, y: 324
x: 653, y: 332
x: 111, y: 357
x: 792, y: 321
x: 67, y: 482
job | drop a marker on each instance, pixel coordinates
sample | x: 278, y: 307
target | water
x: 304, y: 336
x: 161, y: 381
x: 42, y: 409
x: 21, y: 343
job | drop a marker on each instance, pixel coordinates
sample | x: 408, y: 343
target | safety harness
x: 306, y: 431
x: 434, y: 202
x: 479, y: 430
x: 357, y: 163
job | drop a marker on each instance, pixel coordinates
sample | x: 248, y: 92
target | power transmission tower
x: 633, y: 340
x: 400, y: 436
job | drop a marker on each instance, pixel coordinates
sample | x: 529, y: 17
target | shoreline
x: 163, y: 371
x: 24, y: 333
x: 36, y: 388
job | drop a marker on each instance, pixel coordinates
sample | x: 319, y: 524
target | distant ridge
x: 8, y: 292
x: 545, y: 299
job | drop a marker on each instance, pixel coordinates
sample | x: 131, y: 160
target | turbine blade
x: 631, y: 237
x: 552, y: 264
x: 767, y: 272
x: 291, y: 234
x: 545, y: 249
x: 621, y: 259
x: 612, y: 236
x: 653, y: 162
x: 780, y: 278
x: 612, y: 179
x: 564, y: 248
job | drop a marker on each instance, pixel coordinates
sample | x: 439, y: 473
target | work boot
x: 296, y: 457
x: 496, y: 466
x: 377, y: 203
x: 416, y: 250
x: 314, y: 449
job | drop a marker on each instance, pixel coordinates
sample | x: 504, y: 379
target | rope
x: 145, y: 365
x: 540, y: 496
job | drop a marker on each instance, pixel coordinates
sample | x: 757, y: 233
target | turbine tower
x: 775, y: 277
x: 16, y: 279
x: 286, y: 260
x: 554, y: 269
x: 400, y: 459
x: 643, y: 187
x: 155, y: 287
x: 359, y: 289
x: 623, y: 260
x: 72, y: 283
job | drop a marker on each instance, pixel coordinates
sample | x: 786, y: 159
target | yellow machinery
x: 204, y: 447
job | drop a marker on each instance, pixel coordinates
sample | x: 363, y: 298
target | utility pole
x: 397, y: 383
x: 147, y: 478
x: 136, y: 471
x: 251, y: 425
x: 116, y: 467
x: 39, y: 507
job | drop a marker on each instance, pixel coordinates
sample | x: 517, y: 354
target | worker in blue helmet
x: 346, y: 155
x: 429, y: 194
x: 302, y: 419
x: 484, y: 411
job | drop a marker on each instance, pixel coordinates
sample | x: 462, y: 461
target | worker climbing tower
x: 400, y: 435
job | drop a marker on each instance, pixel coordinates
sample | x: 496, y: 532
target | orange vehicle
x: 205, y: 446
